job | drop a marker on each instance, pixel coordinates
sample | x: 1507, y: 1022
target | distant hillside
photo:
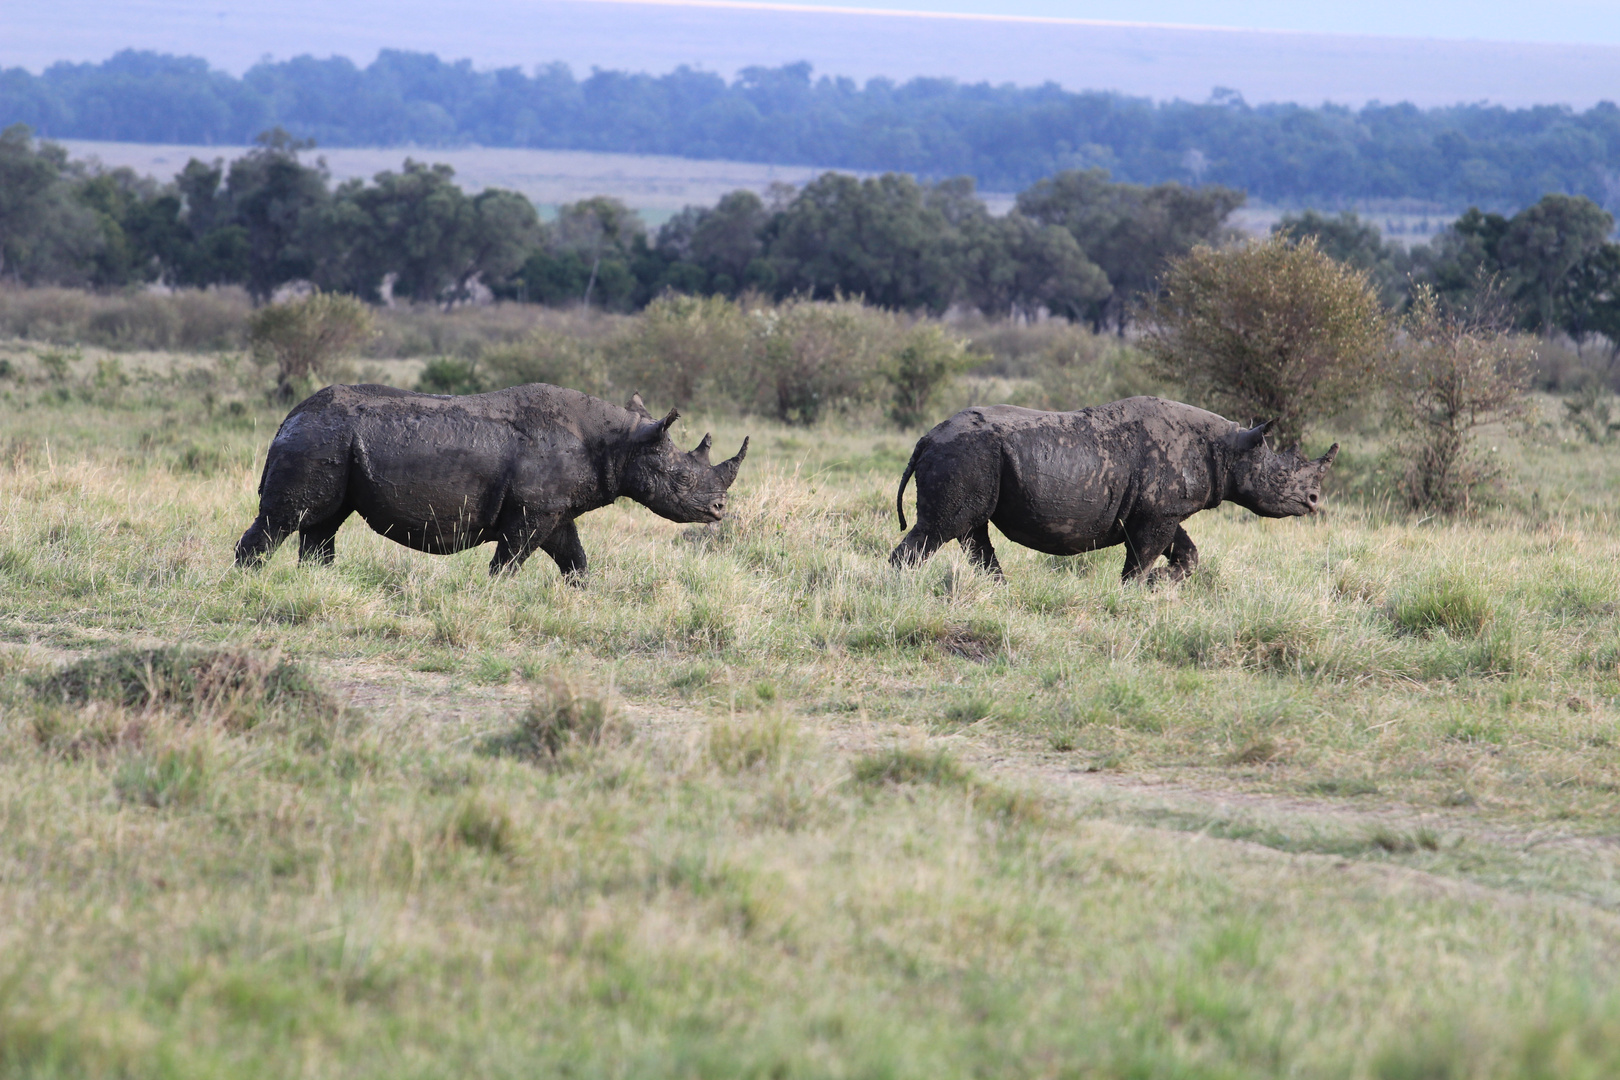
x: 1157, y: 62
x: 1004, y: 136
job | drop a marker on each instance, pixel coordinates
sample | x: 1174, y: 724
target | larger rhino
x: 442, y: 474
x: 1129, y: 472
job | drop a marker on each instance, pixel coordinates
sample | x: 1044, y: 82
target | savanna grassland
x: 1345, y: 804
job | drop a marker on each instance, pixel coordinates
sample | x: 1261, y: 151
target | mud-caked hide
x: 444, y: 473
x: 1129, y: 472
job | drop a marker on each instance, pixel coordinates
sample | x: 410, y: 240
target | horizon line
x: 1060, y: 20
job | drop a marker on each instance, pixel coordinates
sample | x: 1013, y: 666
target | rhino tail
x: 900, y: 496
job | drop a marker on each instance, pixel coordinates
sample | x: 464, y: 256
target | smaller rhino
x: 1129, y: 472
x: 442, y: 474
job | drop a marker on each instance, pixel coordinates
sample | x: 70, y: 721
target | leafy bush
x: 679, y: 346
x: 920, y: 369
x: 303, y: 337
x: 809, y: 357
x: 1271, y: 330
x: 447, y: 375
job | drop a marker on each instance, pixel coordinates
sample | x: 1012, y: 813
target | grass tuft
x: 910, y: 765
x: 755, y: 742
x: 237, y: 687
x: 561, y: 720
x: 1444, y: 601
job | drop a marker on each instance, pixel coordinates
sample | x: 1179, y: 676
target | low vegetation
x: 752, y: 803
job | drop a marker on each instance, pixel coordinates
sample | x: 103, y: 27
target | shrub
x: 1273, y: 329
x: 304, y: 336
x: 807, y: 357
x: 921, y: 368
x: 1455, y: 374
x: 679, y: 344
x: 450, y: 376
x: 1591, y: 412
x: 190, y: 319
x: 558, y: 359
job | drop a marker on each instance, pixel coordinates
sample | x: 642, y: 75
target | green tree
x: 878, y: 239
x: 602, y: 236
x: 46, y: 235
x: 1127, y: 230
x: 1270, y: 330
x: 1542, y: 247
x: 276, y: 200
x: 1589, y: 300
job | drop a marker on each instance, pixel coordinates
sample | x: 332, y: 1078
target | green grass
x: 753, y: 804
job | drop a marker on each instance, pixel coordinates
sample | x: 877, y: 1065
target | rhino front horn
x: 701, y: 452
x: 728, y: 468
x: 1327, y: 459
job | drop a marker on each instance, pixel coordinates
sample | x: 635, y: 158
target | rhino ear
x: 1327, y: 459
x: 701, y: 453
x: 654, y: 430
x: 1246, y: 439
x: 637, y: 406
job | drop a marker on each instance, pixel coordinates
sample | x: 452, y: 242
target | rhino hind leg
x: 567, y: 552
x: 259, y: 542
x: 977, y: 546
x: 318, y: 543
x: 919, y: 543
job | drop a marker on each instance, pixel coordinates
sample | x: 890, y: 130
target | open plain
x: 1344, y: 804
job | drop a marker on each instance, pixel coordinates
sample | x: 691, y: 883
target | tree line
x: 1005, y: 137
x: 1078, y: 245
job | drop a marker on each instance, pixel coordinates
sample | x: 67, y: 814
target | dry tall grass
x: 754, y: 803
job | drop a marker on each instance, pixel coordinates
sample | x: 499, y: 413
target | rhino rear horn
x: 1327, y: 459
x: 1248, y: 438
x: 637, y: 406
x: 701, y: 452
x: 728, y: 468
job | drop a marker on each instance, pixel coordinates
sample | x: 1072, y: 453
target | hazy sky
x: 1590, y: 22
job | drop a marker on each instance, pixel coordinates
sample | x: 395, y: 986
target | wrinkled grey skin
x: 442, y: 474
x: 1129, y: 472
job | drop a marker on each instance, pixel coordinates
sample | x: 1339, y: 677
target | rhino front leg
x: 1183, y: 555
x: 1144, y: 543
x: 569, y: 554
